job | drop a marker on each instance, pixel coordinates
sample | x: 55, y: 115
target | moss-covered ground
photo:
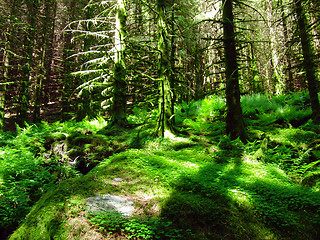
x: 198, y: 185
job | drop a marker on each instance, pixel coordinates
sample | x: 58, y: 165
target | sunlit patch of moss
x: 294, y: 137
x: 185, y: 184
x: 240, y: 196
x: 205, y: 183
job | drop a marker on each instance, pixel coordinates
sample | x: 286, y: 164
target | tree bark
x: 165, y: 123
x: 6, y: 64
x: 308, y: 59
x: 235, y: 124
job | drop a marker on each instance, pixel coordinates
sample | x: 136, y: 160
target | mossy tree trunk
x: 308, y: 58
x: 119, y: 100
x: 165, y: 124
x: 173, y: 65
x: 234, y: 120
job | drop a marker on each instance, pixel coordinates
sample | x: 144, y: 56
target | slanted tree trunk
x: 119, y: 103
x: 165, y: 124
x: 308, y: 59
x: 235, y: 123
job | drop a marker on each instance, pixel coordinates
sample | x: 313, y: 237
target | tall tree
x: 165, y: 123
x: 308, y: 58
x: 119, y: 101
x: 234, y: 120
x: 5, y: 77
x: 289, y: 86
x: 276, y: 77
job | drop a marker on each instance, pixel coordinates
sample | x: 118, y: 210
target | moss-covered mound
x: 200, y: 185
x: 180, y: 191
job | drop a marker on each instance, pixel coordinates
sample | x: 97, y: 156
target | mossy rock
x: 234, y: 200
x: 53, y: 214
x: 80, y: 139
x: 89, y: 150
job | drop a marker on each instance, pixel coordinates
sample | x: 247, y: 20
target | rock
x: 110, y: 203
x: 117, y: 179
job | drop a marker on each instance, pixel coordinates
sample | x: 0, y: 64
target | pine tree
x: 235, y: 123
x: 165, y: 122
x: 119, y: 104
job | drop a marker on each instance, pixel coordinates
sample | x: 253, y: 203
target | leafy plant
x: 136, y: 227
x: 211, y: 108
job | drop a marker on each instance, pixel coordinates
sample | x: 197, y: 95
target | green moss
x: 203, y: 184
x: 243, y: 198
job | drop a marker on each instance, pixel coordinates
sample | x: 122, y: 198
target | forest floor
x: 198, y: 185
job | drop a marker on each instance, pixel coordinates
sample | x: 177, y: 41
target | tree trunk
x: 119, y: 104
x: 235, y: 123
x: 276, y: 83
x: 165, y: 124
x: 289, y: 85
x: 6, y: 64
x: 172, y: 66
x: 308, y: 59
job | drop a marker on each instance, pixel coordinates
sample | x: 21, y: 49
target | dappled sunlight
x: 250, y: 160
x: 199, y: 182
x: 239, y: 196
x: 168, y: 134
x: 184, y: 163
x: 98, y: 123
x: 294, y: 137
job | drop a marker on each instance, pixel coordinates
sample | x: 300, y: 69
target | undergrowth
x: 137, y: 227
x: 199, y: 185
